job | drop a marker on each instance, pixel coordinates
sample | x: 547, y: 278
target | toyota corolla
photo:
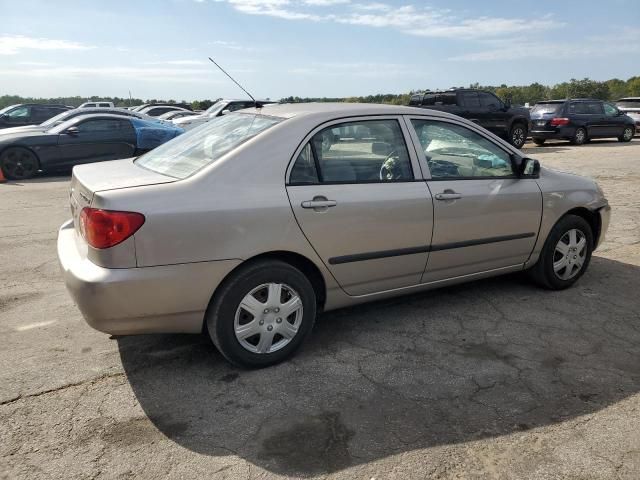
x: 247, y: 227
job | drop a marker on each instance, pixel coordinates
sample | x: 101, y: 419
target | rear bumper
x: 126, y: 301
x: 558, y: 133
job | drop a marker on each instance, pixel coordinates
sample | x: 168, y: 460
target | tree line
x: 586, y: 88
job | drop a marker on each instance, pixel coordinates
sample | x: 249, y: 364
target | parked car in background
x: 69, y: 114
x: 157, y: 110
x: 138, y: 108
x: 82, y: 139
x: 221, y: 107
x: 28, y: 114
x: 579, y: 120
x: 483, y: 108
x: 631, y: 107
x: 96, y: 105
x: 249, y: 225
x: 175, y: 114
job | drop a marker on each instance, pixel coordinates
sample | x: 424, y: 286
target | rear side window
x: 447, y: 98
x: 103, y: 125
x: 367, y: 151
x: 429, y: 99
x: 202, y: 146
x: 547, y: 108
x: 470, y: 99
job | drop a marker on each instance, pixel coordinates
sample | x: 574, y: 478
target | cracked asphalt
x: 492, y: 379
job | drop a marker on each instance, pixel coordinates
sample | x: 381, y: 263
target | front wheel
x: 18, y: 163
x: 262, y: 314
x: 518, y: 135
x: 566, y: 254
x: 627, y: 135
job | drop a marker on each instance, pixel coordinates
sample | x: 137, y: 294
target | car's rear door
x: 97, y: 139
x: 356, y: 191
x: 614, y: 121
x: 485, y: 218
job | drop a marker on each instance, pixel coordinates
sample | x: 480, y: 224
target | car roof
x: 627, y: 98
x: 337, y: 110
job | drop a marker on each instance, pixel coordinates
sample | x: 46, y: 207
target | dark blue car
x: 579, y: 120
x: 83, y: 139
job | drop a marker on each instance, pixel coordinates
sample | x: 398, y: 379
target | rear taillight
x: 558, y: 122
x: 106, y: 228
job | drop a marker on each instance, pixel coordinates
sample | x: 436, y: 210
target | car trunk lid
x: 98, y: 177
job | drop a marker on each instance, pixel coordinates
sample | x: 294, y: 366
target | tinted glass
x: 101, y: 125
x: 19, y: 113
x: 547, y: 108
x: 594, y: 108
x: 202, y: 146
x: 364, y: 151
x: 40, y: 114
x: 488, y: 100
x: 453, y: 151
x: 304, y: 170
x: 579, y: 108
x: 470, y: 99
x: 447, y: 98
x: 429, y: 99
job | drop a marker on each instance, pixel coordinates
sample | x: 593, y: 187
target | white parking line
x: 34, y: 325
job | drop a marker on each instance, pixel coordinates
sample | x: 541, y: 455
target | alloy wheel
x: 268, y: 318
x: 518, y: 137
x: 628, y: 134
x: 19, y: 164
x: 570, y: 254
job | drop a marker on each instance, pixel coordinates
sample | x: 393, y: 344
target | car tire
x: 580, y: 136
x: 246, y: 321
x: 518, y: 135
x: 559, y: 266
x: 539, y: 141
x: 19, y: 163
x: 627, y: 135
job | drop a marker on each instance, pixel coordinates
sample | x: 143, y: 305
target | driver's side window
x: 453, y: 152
x: 367, y: 151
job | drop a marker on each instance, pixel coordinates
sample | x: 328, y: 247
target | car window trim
x: 423, y: 159
x: 413, y: 159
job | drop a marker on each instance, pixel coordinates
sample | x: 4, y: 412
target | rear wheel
x: 262, y: 314
x: 539, y: 141
x: 18, y: 163
x: 627, y: 135
x: 518, y: 135
x: 580, y: 137
x: 566, y: 254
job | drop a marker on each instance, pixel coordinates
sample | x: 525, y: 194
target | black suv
x: 483, y: 108
x: 28, y: 114
x: 579, y: 120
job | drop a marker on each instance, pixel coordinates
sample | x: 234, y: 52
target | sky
x: 308, y: 48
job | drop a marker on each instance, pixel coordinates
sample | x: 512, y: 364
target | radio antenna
x: 255, y: 103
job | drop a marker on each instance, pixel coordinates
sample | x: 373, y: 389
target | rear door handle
x: 319, y: 203
x: 448, y: 195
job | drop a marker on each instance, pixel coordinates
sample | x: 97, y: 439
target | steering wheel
x: 390, y: 169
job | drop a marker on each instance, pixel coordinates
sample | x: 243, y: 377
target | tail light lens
x: 558, y: 122
x: 107, y: 228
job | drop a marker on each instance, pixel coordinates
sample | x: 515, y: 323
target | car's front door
x: 95, y: 140
x: 485, y: 217
x: 497, y: 119
x: 356, y: 192
x: 614, y: 121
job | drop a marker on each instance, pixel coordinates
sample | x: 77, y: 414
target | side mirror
x: 621, y: 112
x: 529, y: 168
x: 72, y: 131
x: 226, y: 111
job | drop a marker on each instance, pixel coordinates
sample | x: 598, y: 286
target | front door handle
x: 448, y: 195
x: 319, y: 203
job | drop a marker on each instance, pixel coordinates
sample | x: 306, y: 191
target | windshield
x: 215, y: 109
x: 6, y: 109
x: 204, y: 145
x: 628, y: 103
x: 547, y: 108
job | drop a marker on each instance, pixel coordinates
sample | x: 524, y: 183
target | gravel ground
x: 493, y: 379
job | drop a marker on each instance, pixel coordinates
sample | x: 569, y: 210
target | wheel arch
x: 592, y: 218
x: 26, y: 147
x: 302, y: 263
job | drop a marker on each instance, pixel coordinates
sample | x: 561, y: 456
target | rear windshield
x: 544, y: 108
x: 628, y: 103
x: 202, y: 146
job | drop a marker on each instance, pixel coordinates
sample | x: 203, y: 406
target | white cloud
x: 177, y: 62
x: 12, y: 44
x: 409, y: 19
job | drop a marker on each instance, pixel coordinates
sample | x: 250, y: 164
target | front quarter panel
x: 562, y: 192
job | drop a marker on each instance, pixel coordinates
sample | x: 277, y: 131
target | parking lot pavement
x: 493, y: 379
